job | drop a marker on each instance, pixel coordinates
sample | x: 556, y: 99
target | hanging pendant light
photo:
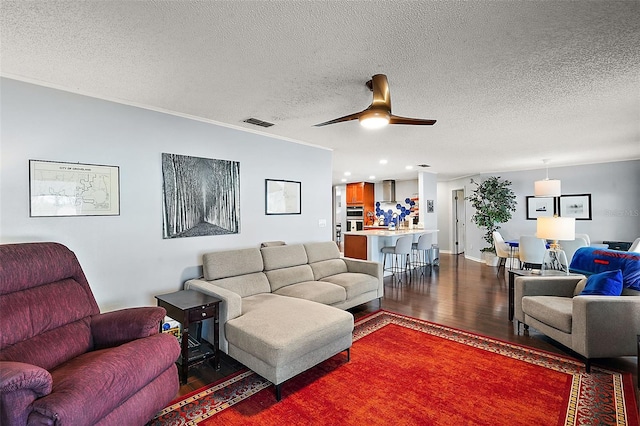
x: 547, y: 187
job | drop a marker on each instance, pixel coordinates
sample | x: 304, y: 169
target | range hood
x: 389, y: 190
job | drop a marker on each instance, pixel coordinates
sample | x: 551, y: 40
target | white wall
x: 615, y: 198
x: 125, y: 258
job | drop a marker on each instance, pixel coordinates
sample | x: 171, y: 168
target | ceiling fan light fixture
x: 374, y: 119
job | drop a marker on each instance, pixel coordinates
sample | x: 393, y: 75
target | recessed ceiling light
x: 372, y: 177
x: 347, y: 173
x: 408, y: 167
x: 383, y: 161
x: 343, y: 180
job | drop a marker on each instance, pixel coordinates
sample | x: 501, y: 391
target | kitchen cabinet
x: 360, y: 194
x: 355, y: 246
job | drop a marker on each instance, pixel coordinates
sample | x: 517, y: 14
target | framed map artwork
x: 73, y: 189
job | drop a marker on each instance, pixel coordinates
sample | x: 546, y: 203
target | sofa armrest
x: 605, y: 326
x: 562, y: 286
x: 117, y: 327
x: 20, y: 385
x: 367, y: 267
x: 363, y: 266
x: 230, y: 307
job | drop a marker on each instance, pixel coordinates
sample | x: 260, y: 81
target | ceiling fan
x: 378, y: 114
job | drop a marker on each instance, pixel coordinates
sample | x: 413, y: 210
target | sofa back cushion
x: 277, y: 257
x: 231, y: 263
x: 239, y: 271
x: 327, y: 268
x: 286, y: 265
x: 282, y: 277
x: 317, y: 252
x: 45, y: 305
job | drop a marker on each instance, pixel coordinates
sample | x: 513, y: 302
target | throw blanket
x: 591, y: 260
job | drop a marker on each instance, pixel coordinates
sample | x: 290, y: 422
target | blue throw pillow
x: 604, y: 284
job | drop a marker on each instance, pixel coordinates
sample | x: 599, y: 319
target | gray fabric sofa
x: 283, y: 307
x: 592, y: 326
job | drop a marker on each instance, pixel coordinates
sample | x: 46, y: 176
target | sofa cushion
x: 554, y: 311
x: 325, y: 250
x: 277, y: 257
x: 231, y: 263
x: 246, y: 285
x: 354, y: 283
x: 272, y: 329
x: 316, y: 291
x: 604, y: 284
x: 327, y: 268
x: 286, y: 276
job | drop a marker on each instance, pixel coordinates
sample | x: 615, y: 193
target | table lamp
x: 556, y: 228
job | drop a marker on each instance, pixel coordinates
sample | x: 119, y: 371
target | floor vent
x: 257, y: 122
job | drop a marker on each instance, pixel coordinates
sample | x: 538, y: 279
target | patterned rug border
x: 221, y: 395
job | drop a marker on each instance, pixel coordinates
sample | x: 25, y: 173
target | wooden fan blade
x: 341, y: 119
x: 415, y: 121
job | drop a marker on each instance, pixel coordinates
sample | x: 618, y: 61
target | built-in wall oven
x: 355, y: 213
x: 355, y: 218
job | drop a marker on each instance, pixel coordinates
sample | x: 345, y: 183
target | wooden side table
x: 190, y: 307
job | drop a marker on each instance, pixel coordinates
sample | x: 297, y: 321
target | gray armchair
x: 592, y: 326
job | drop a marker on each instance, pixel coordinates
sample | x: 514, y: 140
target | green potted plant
x: 493, y: 201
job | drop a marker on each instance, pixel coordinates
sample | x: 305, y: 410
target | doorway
x: 458, y: 217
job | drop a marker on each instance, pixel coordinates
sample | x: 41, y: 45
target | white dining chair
x: 504, y: 251
x: 531, y: 251
x: 570, y: 246
x: 585, y: 237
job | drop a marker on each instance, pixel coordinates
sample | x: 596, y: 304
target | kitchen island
x: 366, y: 244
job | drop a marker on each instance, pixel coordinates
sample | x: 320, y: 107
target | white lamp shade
x: 547, y: 188
x: 556, y: 228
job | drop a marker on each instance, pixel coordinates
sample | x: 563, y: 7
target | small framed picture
x: 540, y: 207
x: 283, y: 197
x: 577, y: 206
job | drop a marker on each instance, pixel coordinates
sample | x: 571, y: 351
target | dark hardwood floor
x: 459, y: 293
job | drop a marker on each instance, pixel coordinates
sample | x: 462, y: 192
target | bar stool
x: 422, y: 252
x: 401, y: 256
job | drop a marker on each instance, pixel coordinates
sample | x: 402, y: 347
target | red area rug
x: 405, y: 371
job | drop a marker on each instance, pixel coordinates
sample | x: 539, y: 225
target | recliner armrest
x: 20, y: 385
x: 117, y: 327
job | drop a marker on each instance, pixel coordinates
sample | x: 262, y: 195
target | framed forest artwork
x: 201, y: 196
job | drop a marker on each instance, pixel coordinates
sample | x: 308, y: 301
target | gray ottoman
x: 279, y: 337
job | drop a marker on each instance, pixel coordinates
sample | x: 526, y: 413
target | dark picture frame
x: 540, y: 207
x: 577, y: 206
x: 282, y: 197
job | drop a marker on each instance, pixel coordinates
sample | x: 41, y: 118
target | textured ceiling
x: 510, y: 82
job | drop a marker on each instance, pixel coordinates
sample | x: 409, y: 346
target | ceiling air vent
x: 257, y: 122
x: 424, y: 165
